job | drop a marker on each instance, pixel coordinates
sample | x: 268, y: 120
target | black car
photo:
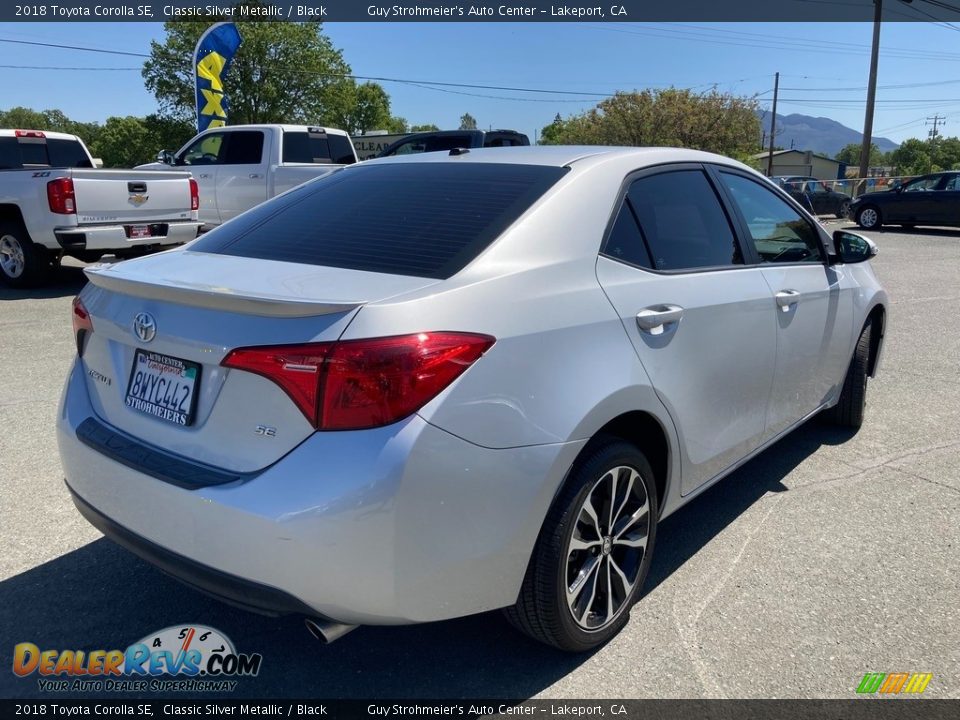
x: 450, y: 139
x: 927, y: 200
x: 814, y: 195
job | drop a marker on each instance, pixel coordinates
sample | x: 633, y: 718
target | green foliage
x: 917, y: 157
x: 283, y: 72
x: 122, y: 142
x: 850, y: 155
x: 468, y: 122
x: 429, y: 127
x: 716, y: 122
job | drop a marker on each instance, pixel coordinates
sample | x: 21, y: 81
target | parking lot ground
x: 828, y: 556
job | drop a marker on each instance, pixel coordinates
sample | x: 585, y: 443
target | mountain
x: 820, y: 134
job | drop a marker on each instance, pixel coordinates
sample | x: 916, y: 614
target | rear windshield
x: 15, y: 153
x: 304, y: 147
x: 420, y: 219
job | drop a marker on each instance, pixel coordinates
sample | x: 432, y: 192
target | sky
x: 823, y: 68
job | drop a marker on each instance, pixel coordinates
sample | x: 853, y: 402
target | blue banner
x: 211, y: 60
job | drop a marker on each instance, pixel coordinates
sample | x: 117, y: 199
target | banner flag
x: 211, y: 60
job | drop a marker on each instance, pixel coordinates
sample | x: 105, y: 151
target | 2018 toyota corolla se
x: 426, y: 387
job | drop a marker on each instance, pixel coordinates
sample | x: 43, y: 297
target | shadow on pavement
x: 66, y: 281
x: 102, y: 597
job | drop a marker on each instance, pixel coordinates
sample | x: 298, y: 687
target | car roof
x: 563, y: 155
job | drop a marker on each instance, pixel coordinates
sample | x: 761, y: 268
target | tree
x: 850, y: 155
x: 123, y: 142
x: 716, y: 122
x: 913, y: 157
x: 468, y: 122
x: 283, y: 72
x: 430, y: 127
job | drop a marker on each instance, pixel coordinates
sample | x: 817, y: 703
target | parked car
x: 318, y: 409
x: 927, y: 200
x: 240, y: 166
x: 55, y: 203
x: 815, y: 195
x: 444, y: 140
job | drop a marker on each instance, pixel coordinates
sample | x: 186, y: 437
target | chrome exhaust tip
x: 326, y: 631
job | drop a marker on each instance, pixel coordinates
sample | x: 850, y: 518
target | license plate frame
x: 138, y: 232
x: 163, y: 401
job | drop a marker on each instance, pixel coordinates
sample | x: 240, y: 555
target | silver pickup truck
x: 54, y: 203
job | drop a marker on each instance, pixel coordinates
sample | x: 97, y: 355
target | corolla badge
x: 144, y: 327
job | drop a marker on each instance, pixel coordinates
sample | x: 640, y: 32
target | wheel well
x: 11, y: 213
x: 878, y: 316
x: 644, y: 431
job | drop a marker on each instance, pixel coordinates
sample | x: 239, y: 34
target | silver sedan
x: 425, y: 387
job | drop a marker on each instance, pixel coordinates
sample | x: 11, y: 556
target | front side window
x: 683, y: 222
x: 922, y: 184
x: 779, y: 233
x: 205, y: 151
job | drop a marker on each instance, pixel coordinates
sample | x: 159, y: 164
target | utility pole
x: 871, y: 91
x: 936, y: 121
x: 773, y: 123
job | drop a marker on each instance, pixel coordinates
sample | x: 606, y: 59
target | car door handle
x: 204, y: 176
x: 786, y: 298
x: 655, y: 318
x: 255, y: 176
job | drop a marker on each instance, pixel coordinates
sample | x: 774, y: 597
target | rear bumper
x: 401, y: 524
x: 114, y: 237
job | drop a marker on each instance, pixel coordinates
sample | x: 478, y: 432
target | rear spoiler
x: 212, y: 297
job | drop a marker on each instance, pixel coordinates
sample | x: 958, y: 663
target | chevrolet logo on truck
x: 139, y: 199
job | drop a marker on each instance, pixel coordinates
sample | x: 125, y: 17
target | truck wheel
x: 22, y: 262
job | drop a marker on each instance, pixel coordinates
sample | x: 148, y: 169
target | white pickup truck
x: 53, y: 202
x: 240, y: 166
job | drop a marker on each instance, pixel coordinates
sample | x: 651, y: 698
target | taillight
x: 82, y: 324
x: 356, y: 384
x: 61, y: 197
x: 194, y: 195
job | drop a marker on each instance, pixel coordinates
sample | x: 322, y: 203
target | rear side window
x: 303, y: 147
x: 9, y: 154
x: 683, y: 222
x: 421, y: 219
x: 625, y: 241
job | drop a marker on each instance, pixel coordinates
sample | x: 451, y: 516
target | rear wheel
x: 849, y: 410
x: 844, y: 209
x: 22, y: 263
x: 868, y: 217
x: 593, y: 553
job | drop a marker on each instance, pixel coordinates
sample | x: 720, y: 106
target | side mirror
x: 166, y: 157
x: 853, y: 247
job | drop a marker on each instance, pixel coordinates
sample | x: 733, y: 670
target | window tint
x: 303, y: 147
x: 205, y: 151
x: 683, y: 222
x: 953, y: 183
x: 922, y: 184
x: 67, y: 153
x: 422, y: 219
x: 625, y: 241
x: 779, y: 233
x: 9, y: 154
x: 434, y: 143
x: 244, y: 147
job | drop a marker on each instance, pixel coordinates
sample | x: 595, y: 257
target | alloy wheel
x: 607, y: 548
x: 11, y: 256
x: 869, y: 218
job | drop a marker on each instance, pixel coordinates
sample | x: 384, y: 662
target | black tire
x: 869, y: 217
x: 844, y: 210
x: 22, y: 263
x: 542, y: 609
x: 849, y: 410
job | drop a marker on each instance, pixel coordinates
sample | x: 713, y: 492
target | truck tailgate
x: 111, y: 196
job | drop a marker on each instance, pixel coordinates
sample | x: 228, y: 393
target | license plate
x: 139, y: 231
x: 163, y: 386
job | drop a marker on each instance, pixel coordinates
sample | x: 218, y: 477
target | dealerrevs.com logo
x: 188, y: 658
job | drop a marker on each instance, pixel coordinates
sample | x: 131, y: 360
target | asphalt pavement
x: 828, y: 556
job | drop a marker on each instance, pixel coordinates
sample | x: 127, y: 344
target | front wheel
x: 22, y: 263
x: 868, y: 217
x: 849, y: 410
x: 593, y: 553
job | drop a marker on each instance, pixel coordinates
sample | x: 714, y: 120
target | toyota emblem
x: 144, y: 327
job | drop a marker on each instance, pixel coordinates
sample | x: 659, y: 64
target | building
x: 802, y: 162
